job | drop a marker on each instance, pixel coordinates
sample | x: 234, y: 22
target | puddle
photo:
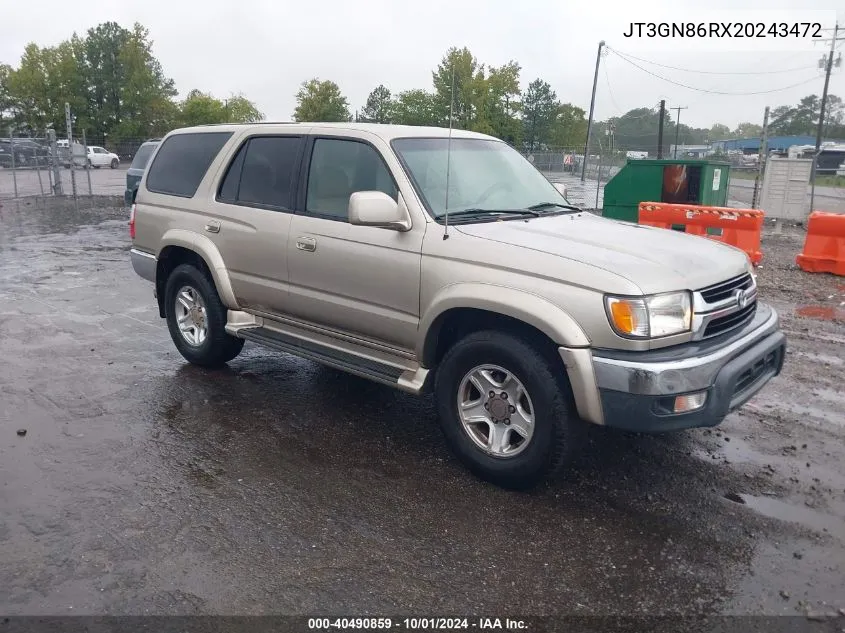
x: 807, y: 517
x: 825, y: 313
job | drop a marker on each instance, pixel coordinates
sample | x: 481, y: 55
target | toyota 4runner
x: 523, y: 314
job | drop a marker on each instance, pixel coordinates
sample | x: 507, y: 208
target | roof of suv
x: 386, y: 131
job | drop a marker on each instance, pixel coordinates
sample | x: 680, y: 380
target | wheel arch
x: 463, y: 308
x: 186, y: 247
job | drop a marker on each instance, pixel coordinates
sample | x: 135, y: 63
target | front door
x: 359, y: 280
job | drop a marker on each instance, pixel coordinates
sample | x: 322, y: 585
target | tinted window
x: 338, y: 169
x: 229, y: 188
x: 267, y: 171
x: 182, y: 161
x: 143, y: 156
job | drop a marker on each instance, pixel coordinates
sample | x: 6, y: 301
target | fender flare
x: 561, y: 328
x: 206, y: 249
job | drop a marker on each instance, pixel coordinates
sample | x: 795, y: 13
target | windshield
x: 143, y: 156
x: 483, y: 173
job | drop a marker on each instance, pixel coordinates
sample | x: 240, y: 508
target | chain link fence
x: 565, y: 165
x: 53, y: 165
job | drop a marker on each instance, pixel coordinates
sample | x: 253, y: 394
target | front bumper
x: 636, y: 389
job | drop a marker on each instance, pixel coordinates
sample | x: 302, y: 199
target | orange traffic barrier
x: 824, y: 248
x: 738, y: 227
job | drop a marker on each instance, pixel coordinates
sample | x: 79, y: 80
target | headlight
x: 650, y: 317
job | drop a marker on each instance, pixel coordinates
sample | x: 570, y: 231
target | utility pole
x: 677, y: 126
x: 590, y: 119
x: 660, y: 129
x: 828, y: 67
x: 764, y: 152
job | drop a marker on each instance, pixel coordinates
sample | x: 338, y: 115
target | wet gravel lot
x: 144, y: 485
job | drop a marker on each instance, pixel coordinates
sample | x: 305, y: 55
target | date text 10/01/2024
x: 812, y: 30
x: 416, y: 623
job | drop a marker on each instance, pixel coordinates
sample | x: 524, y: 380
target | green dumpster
x: 680, y: 181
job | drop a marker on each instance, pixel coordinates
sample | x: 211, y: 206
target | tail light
x: 132, y: 222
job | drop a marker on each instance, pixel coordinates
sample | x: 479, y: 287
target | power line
x: 715, y: 72
x: 715, y: 92
x: 650, y: 113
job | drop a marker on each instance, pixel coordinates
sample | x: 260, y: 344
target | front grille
x: 730, y: 321
x: 765, y: 365
x: 723, y: 290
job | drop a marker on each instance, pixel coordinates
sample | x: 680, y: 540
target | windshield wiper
x: 546, y: 205
x: 477, y: 211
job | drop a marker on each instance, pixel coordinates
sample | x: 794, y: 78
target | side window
x: 182, y: 160
x: 338, y: 169
x: 229, y: 188
x: 262, y: 172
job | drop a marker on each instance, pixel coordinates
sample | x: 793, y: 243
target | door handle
x: 213, y: 226
x: 306, y: 244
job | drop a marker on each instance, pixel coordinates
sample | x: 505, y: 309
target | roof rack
x: 254, y: 123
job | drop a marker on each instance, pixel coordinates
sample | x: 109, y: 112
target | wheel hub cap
x: 190, y: 315
x: 495, y: 411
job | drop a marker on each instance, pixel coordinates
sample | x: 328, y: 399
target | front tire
x: 506, y: 410
x: 196, y: 318
x: 114, y: 163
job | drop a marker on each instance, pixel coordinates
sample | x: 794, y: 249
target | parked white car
x: 100, y: 157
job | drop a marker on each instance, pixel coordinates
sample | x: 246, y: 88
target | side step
x: 366, y: 368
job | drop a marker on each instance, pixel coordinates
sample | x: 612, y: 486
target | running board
x: 403, y: 379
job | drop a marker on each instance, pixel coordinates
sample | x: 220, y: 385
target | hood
x: 655, y: 260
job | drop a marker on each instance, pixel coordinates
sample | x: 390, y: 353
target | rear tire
x: 546, y: 400
x: 198, y: 329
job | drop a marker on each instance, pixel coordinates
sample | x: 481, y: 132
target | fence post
x: 38, y: 170
x: 70, y: 145
x: 56, y: 174
x: 12, y: 150
x: 87, y: 166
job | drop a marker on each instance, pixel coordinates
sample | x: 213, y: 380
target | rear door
x: 252, y: 212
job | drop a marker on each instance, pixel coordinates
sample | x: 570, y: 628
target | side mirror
x: 375, y: 208
x: 561, y: 188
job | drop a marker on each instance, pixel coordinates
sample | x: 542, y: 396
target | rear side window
x: 182, y: 161
x: 142, y: 157
x: 262, y: 172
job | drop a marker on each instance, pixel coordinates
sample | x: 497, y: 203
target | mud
x: 144, y: 485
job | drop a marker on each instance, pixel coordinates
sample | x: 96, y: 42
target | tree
x: 201, y: 108
x: 803, y: 118
x: 7, y: 113
x: 568, y: 128
x: 416, y: 107
x: 719, y: 131
x: 539, y: 111
x: 146, y: 103
x: 748, y: 130
x: 239, y: 109
x: 321, y: 101
x: 379, y: 108
x: 637, y: 129
x: 460, y: 65
x: 501, y: 104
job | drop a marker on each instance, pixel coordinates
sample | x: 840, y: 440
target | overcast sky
x: 266, y: 48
